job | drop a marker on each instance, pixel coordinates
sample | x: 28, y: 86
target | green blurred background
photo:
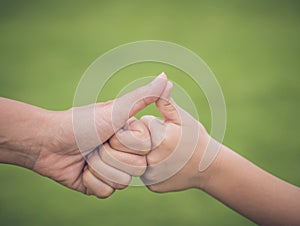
x: 252, y: 46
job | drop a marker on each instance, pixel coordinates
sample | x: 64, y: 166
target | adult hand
x: 113, y: 169
x: 60, y: 159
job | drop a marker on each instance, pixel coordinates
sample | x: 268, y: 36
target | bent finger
x: 133, y: 138
x: 134, y: 165
x: 111, y: 176
x: 157, y: 129
x: 95, y: 186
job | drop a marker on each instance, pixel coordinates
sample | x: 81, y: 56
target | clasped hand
x: 140, y: 149
x: 97, y: 155
x: 144, y: 147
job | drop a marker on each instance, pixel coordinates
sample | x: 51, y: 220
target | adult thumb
x: 131, y: 103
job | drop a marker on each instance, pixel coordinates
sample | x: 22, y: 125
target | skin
x: 238, y: 183
x: 44, y: 141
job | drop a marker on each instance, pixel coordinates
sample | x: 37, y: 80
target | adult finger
x: 157, y: 129
x: 95, y: 124
x: 111, y: 176
x: 95, y: 186
x: 117, y: 112
x: 133, y: 138
x: 134, y: 165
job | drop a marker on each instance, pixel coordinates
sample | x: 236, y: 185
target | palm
x: 66, y: 169
x: 61, y: 160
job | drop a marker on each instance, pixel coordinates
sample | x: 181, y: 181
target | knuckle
x: 140, y: 161
x: 123, y: 182
x: 142, y: 133
x: 154, y: 188
x: 139, y: 171
x: 135, y: 165
x: 127, y: 179
x: 115, y: 142
x: 119, y: 186
x: 143, y: 144
x: 166, y: 105
x: 105, y: 192
x: 85, y: 178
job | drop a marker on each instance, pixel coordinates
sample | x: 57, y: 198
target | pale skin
x: 230, y: 178
x: 43, y: 141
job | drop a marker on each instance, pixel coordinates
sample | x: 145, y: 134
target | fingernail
x: 170, y: 84
x: 159, y: 77
x: 163, y: 75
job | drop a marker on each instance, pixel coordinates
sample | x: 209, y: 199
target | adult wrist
x: 22, y: 141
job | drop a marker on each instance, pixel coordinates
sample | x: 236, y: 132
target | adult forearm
x: 20, y: 132
x: 251, y: 191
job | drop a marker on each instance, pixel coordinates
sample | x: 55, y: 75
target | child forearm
x: 253, y: 192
